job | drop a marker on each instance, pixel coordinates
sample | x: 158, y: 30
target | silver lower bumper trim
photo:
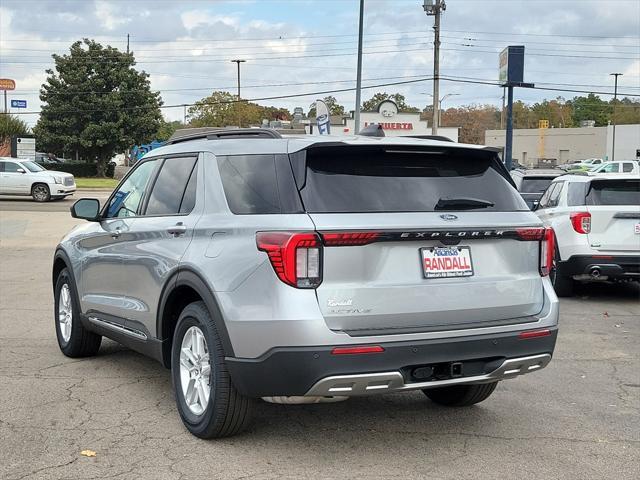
x: 371, y: 383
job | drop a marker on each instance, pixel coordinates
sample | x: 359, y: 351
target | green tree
x: 627, y: 111
x: 167, y: 129
x: 11, y: 125
x: 558, y: 112
x: 96, y: 104
x: 591, y: 107
x: 332, y: 104
x: 372, y: 104
x: 221, y: 109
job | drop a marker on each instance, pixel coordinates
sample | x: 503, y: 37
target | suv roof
x: 238, y: 145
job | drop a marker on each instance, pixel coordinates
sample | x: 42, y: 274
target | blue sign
x: 18, y: 104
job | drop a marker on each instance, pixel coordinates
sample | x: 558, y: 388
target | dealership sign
x: 18, y: 104
x: 512, y: 64
x: 7, y: 84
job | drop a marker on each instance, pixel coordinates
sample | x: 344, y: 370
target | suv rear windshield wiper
x: 462, y: 204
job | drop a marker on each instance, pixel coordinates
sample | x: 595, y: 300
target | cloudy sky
x: 305, y: 47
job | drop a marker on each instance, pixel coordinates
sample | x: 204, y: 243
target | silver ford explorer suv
x: 307, y: 269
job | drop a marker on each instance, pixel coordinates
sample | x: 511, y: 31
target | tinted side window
x: 189, y: 197
x: 544, y: 200
x: 535, y: 184
x: 576, y: 191
x: 555, y: 195
x: 11, y: 167
x: 250, y: 183
x: 126, y: 201
x: 627, y: 167
x: 170, y: 185
x: 2, y: 164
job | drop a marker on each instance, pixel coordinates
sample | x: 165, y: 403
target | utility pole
x: 435, y: 9
x: 504, y: 97
x: 127, y: 43
x: 615, y: 101
x: 238, y: 62
x: 356, y: 117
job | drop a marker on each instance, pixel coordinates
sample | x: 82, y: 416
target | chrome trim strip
x: 137, y: 334
x: 368, y: 383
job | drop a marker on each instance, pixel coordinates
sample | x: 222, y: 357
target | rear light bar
x: 341, y: 239
x: 581, y: 222
x: 296, y: 257
x: 357, y: 350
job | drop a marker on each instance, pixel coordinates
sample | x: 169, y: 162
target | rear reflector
x: 357, y: 350
x: 345, y: 239
x: 581, y: 222
x: 534, y: 334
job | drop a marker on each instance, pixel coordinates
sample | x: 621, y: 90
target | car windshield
x: 32, y: 166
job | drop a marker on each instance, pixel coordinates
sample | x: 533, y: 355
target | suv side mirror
x: 20, y: 170
x: 87, y: 209
x: 536, y: 204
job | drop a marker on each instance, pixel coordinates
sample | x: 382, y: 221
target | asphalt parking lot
x: 577, y: 419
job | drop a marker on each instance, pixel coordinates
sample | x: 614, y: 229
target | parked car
x: 626, y: 166
x: 582, y: 165
x: 25, y: 177
x: 596, y: 221
x: 531, y: 183
x: 47, y: 159
x: 303, y: 269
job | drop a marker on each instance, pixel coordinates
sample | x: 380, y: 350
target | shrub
x: 80, y: 169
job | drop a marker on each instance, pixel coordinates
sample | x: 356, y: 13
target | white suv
x: 596, y: 221
x: 25, y: 177
x: 627, y: 166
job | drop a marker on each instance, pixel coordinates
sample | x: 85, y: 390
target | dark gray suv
x: 311, y: 269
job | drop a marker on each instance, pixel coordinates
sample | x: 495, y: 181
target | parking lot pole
x: 508, y: 145
x: 356, y: 116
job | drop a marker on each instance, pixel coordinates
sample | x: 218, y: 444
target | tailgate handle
x: 627, y: 215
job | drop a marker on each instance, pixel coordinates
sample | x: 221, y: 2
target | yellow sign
x: 543, y: 123
x: 7, y: 84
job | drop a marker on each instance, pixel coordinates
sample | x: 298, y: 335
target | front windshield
x: 32, y: 166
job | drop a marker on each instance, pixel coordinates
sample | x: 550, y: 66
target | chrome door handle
x: 116, y: 233
x: 177, y: 230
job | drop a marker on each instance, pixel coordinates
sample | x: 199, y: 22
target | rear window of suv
x: 405, y: 179
x: 535, y: 184
x: 614, y: 192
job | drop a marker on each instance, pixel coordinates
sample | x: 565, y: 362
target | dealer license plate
x: 442, y: 262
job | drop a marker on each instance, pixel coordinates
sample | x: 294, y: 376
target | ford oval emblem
x: 449, y: 216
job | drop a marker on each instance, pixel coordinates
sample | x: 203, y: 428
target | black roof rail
x: 224, y: 133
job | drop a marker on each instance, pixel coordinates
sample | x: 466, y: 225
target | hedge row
x: 80, y: 169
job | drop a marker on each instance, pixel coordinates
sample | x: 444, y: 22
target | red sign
x: 7, y: 84
x: 393, y: 125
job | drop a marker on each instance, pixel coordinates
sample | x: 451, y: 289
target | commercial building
x: 555, y: 146
x: 394, y: 123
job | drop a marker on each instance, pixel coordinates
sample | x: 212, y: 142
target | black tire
x: 562, y: 284
x: 460, y: 395
x: 81, y: 342
x: 40, y: 192
x: 227, y: 412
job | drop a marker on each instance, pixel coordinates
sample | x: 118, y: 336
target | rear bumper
x: 302, y: 371
x: 613, y: 266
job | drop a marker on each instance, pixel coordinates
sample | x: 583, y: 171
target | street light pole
x: 615, y: 101
x: 435, y: 9
x: 356, y: 116
x: 440, y: 104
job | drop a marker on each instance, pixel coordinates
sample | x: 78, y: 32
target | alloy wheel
x: 195, y: 370
x: 65, y: 313
x: 40, y: 193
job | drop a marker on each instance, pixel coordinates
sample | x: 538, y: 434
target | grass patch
x: 96, y: 183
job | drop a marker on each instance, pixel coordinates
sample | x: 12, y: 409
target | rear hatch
x: 419, y: 239
x: 614, y: 205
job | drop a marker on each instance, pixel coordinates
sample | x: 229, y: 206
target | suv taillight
x: 546, y: 237
x: 581, y: 222
x: 296, y: 257
x: 547, y: 251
